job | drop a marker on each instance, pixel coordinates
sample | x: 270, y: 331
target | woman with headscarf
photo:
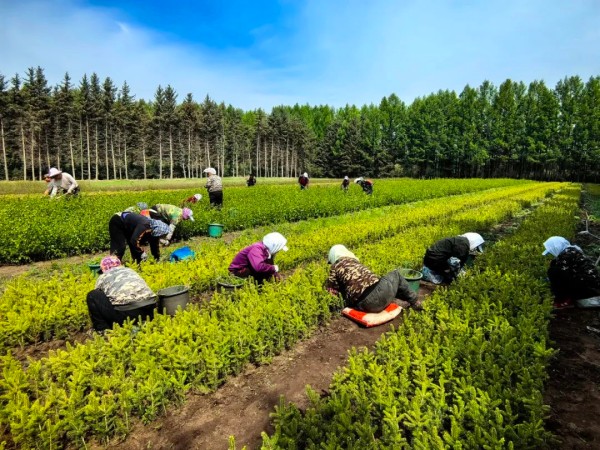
x: 360, y: 288
x: 257, y: 260
x: 573, y: 276
x: 303, y: 181
x: 445, y: 259
x: 171, y: 215
x: 127, y: 228
x: 120, y: 293
x: 214, y: 186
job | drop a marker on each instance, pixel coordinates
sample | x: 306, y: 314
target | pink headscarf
x: 187, y: 214
x: 109, y: 262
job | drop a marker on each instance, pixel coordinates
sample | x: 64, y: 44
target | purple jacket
x: 254, y: 257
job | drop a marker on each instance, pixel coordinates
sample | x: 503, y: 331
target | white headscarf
x: 210, y: 170
x: 555, y: 245
x: 339, y: 251
x: 305, y: 175
x: 275, y: 242
x: 475, y: 241
x: 358, y: 179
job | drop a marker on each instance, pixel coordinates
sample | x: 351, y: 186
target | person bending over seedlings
x: 573, y: 276
x: 257, y: 260
x: 445, y: 259
x: 251, y: 181
x: 135, y: 230
x: 120, y: 294
x: 171, y: 215
x: 191, y: 200
x: 360, y: 288
x: 61, y: 183
x: 366, y: 185
x: 345, y: 184
x: 214, y: 186
x: 303, y: 181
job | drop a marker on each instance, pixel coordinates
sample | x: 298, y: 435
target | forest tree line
x: 96, y: 130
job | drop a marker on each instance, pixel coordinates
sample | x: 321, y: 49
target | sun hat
x: 305, y: 174
x: 198, y: 197
x: 210, y: 170
x: 555, y: 245
x: 109, y: 262
x: 187, y: 214
x: 358, y: 179
x: 53, y: 172
x: 475, y: 241
x: 339, y: 251
x: 346, y: 177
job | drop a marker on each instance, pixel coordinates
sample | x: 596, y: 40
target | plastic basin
x: 169, y: 299
x: 413, y: 277
x: 230, y: 283
x: 215, y: 230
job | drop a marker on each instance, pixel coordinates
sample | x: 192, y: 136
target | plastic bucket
x: 172, y: 297
x: 413, y: 277
x: 215, y: 230
x: 95, y: 269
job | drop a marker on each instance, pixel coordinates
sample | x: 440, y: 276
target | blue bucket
x: 181, y: 254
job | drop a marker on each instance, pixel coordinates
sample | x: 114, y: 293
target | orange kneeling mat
x: 373, y: 319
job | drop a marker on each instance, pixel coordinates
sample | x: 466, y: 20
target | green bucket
x: 215, y: 230
x: 413, y: 277
x: 95, y: 269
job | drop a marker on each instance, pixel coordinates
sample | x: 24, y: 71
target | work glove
x: 144, y: 256
x: 276, y: 268
x: 165, y: 242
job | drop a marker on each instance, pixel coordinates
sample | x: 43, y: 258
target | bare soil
x: 573, y: 389
x: 241, y: 407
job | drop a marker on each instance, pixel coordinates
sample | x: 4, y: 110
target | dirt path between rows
x: 241, y: 407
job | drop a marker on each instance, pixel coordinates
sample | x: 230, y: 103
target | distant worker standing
x: 444, y: 260
x: 345, y: 184
x: 303, y: 181
x: 214, y: 186
x: 120, y: 294
x: 135, y: 230
x: 62, y: 183
x: 171, y: 215
x: 366, y: 185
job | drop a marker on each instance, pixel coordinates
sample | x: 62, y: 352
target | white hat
x: 305, y: 174
x: 210, y: 170
x: 358, y: 179
x: 346, y: 177
x: 198, y: 197
x: 53, y: 172
x: 475, y: 241
x: 275, y: 242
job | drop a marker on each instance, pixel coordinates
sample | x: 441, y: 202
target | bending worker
x: 360, y: 288
x: 366, y: 185
x: 445, y: 259
x: 573, y: 276
x: 214, y: 186
x: 345, y: 184
x: 120, y: 294
x: 135, y: 230
x: 303, y: 181
x: 61, y: 183
x: 191, y: 200
x: 171, y: 215
x: 257, y: 260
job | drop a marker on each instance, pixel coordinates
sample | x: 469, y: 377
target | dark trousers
x: 104, y: 315
x: 216, y: 198
x: 119, y: 239
x: 249, y: 272
x: 377, y: 297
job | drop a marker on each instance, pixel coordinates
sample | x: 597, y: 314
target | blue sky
x: 261, y: 53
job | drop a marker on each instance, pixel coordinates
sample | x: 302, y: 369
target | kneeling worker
x: 120, y: 294
x: 362, y: 289
x: 444, y: 260
x: 257, y: 260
